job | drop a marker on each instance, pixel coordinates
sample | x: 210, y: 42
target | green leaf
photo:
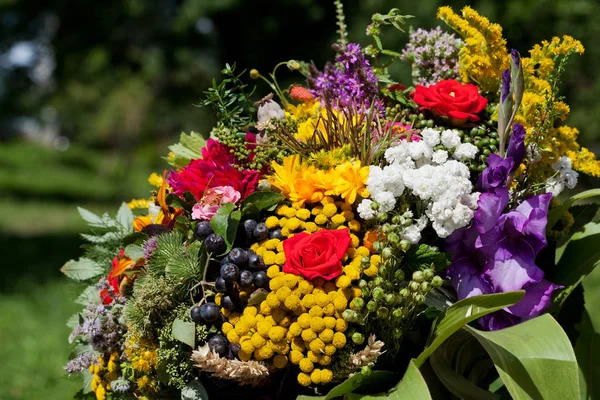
x: 184, y: 332
x: 88, y: 296
x: 258, y: 201
x: 134, y: 251
x: 412, y: 386
x: 189, y: 148
x: 425, y: 256
x: 465, y: 311
x: 87, y: 381
x: 555, y: 213
x: 587, y: 350
x: 578, y: 256
x: 351, y: 384
x: 82, y: 269
x: 534, y: 359
x: 187, y: 202
x: 225, y: 223
x: 257, y: 297
x: 194, y: 390
x: 125, y: 217
x: 73, y: 321
x: 453, y: 359
x: 92, y: 219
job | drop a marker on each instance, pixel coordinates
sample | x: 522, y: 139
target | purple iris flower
x: 505, y: 85
x: 496, y: 174
x: 516, y: 145
x: 497, y: 254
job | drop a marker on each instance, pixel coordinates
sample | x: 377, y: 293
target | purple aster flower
x: 350, y: 81
x: 516, y: 145
x: 433, y: 55
x: 496, y: 174
x: 497, y: 254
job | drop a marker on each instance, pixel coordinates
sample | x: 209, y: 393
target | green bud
x: 404, y: 293
x: 418, y: 276
x: 358, y: 338
x: 398, y: 333
x: 383, y: 313
x: 377, y: 246
x: 387, y: 253
x: 396, y: 219
x: 399, y: 275
x: 428, y: 274
x: 350, y: 316
x: 414, y: 286
x: 394, y: 238
x: 366, y: 292
x: 430, y: 123
x: 389, y: 298
x: 357, y: 304
x: 437, y: 281
x: 366, y: 370
x: 404, y: 245
x: 421, y: 117
x: 374, y: 206
x: 254, y: 74
x: 382, y: 270
x: 378, y: 281
x: 419, y: 298
x: 378, y: 293
x: 425, y: 287
x: 397, y: 313
x: 372, y: 306
x: 386, y: 228
x: 362, y: 284
x: 365, y: 261
x: 382, y: 217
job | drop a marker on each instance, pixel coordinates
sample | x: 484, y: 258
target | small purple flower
x: 515, y: 58
x: 497, y: 254
x: 496, y: 174
x: 516, y: 145
x: 505, y: 85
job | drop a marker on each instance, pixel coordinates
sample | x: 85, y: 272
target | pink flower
x: 212, y: 200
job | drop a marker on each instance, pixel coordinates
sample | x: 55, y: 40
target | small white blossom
x: 431, y: 136
x: 364, y: 209
x: 565, y: 176
x: 440, y: 156
x: 465, y: 151
x: 450, y: 138
x: 386, y: 201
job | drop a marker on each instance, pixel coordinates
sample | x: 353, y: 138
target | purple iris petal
x: 496, y: 174
x: 505, y: 85
x: 467, y: 279
x: 516, y: 58
x: 516, y: 145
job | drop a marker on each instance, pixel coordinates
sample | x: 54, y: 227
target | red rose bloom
x: 316, y: 255
x: 214, y: 169
x: 452, y: 99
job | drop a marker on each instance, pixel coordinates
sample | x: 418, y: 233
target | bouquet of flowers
x: 353, y: 235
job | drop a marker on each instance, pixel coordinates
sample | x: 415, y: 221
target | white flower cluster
x: 565, y: 176
x: 442, y: 184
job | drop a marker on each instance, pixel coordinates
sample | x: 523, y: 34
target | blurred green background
x: 92, y: 93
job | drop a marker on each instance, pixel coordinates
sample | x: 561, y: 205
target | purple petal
x: 490, y: 206
x: 541, y: 201
x: 498, y: 320
x: 505, y: 85
x: 509, y: 271
x: 516, y: 145
x: 467, y: 279
x: 538, y: 297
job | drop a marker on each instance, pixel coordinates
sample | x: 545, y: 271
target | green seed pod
x: 467, y: 140
x: 404, y: 293
x: 397, y: 313
x: 487, y: 152
x: 414, y: 286
x: 350, y: 316
x: 377, y: 246
x: 398, y: 333
x: 382, y: 217
x: 387, y: 253
x: 428, y: 273
x: 437, y: 281
x: 372, y: 306
x: 399, y: 275
x: 418, y: 276
x: 366, y: 292
x: 383, y: 313
x: 378, y: 293
x: 474, y: 132
x: 378, y: 281
x: 362, y: 284
x: 386, y: 228
x: 396, y: 219
x: 425, y: 287
x: 366, y: 370
x: 419, y: 298
x: 421, y: 117
x: 358, y: 338
x: 382, y: 270
x: 357, y: 304
x: 430, y: 123
x: 389, y: 298
x: 374, y: 206
x: 365, y: 261
x: 394, y: 238
x: 404, y: 245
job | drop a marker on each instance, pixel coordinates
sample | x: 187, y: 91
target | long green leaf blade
x: 534, y: 359
x: 465, y: 311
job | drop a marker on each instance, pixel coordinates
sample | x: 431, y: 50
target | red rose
x: 452, y: 99
x: 316, y: 255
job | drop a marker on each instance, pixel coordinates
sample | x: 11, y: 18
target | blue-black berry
x: 196, y: 315
x: 230, y: 272
x: 261, y: 231
x: 255, y: 262
x: 261, y: 280
x: 238, y: 256
x: 209, y: 312
x: 276, y: 234
x: 221, y: 286
x: 246, y: 278
x: 219, y: 345
x: 249, y: 226
x: 228, y: 303
x: 215, y: 243
x: 203, y: 229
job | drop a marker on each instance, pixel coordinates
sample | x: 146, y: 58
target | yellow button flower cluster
x: 104, y: 372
